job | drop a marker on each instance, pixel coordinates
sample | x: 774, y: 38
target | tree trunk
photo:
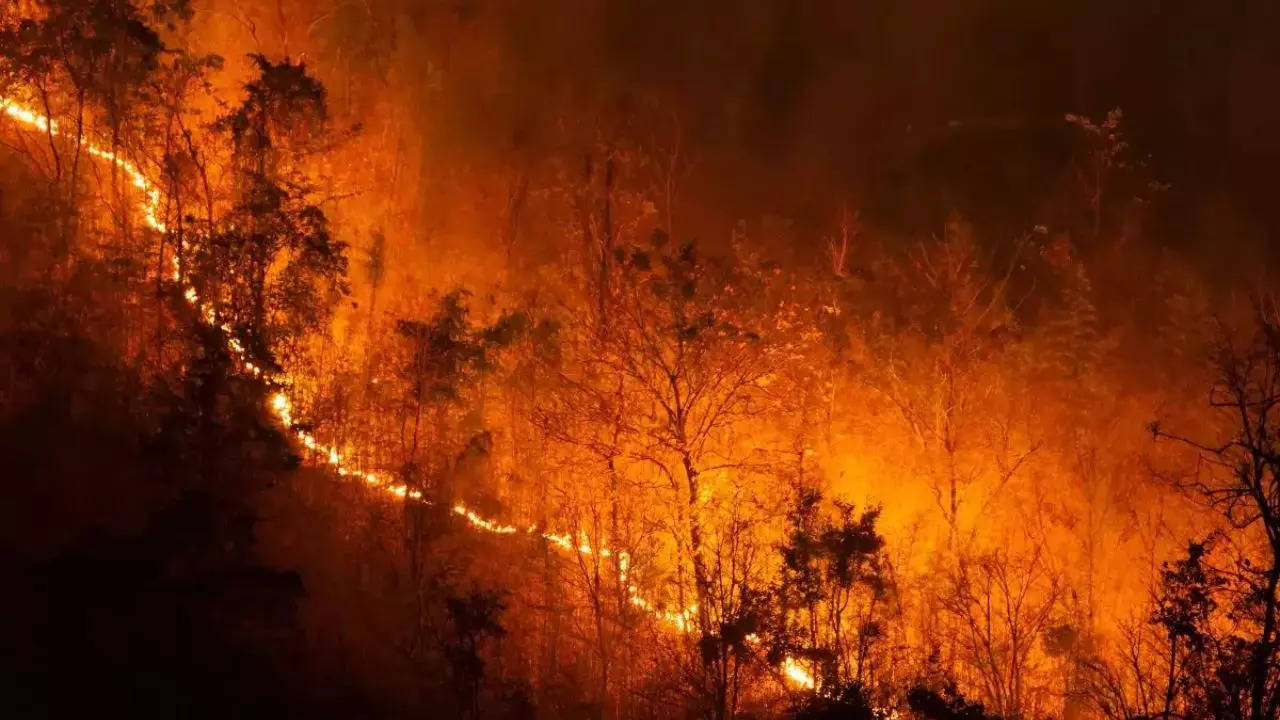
x: 1263, y: 653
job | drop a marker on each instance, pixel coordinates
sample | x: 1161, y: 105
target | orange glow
x: 150, y: 206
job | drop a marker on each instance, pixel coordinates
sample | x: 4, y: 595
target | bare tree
x: 941, y: 373
x: 1239, y: 476
x: 1004, y: 603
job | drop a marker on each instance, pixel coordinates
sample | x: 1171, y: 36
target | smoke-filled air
x: 630, y: 360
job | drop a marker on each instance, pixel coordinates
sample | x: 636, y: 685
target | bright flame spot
x: 796, y: 673
x: 482, y: 523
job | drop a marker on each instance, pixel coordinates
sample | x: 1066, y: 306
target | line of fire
x: 638, y: 359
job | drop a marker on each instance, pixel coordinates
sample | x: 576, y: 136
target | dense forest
x: 623, y: 360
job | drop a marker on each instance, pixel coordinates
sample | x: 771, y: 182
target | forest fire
x: 401, y: 360
x: 150, y: 208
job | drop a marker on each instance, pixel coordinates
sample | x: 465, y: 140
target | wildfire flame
x: 150, y: 206
x: 796, y: 673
